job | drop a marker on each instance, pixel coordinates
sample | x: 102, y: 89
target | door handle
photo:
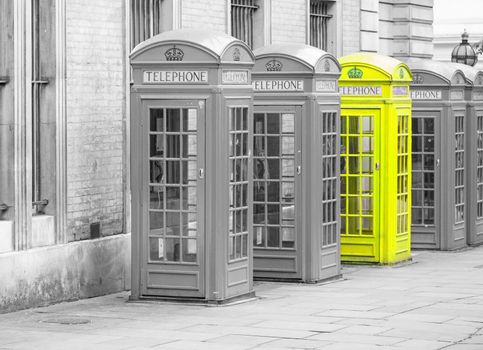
x: 437, y: 162
x: 299, y: 169
x: 202, y: 173
x: 377, y: 165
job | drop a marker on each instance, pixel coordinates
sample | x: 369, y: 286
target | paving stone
x: 422, y: 344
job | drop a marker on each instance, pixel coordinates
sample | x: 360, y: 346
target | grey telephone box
x: 474, y: 159
x: 296, y: 164
x: 191, y: 118
x: 438, y: 157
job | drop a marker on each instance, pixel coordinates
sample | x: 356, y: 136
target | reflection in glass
x: 273, y: 123
x: 156, y: 171
x: 156, y: 197
x: 273, y: 236
x: 274, y: 192
x: 156, y: 248
x: 173, y: 120
x: 273, y: 146
x: 172, y: 247
x: 259, y: 236
x: 366, y: 125
x: 288, y: 237
x: 172, y: 223
x: 288, y: 123
x: 156, y: 146
x: 353, y: 125
x: 273, y: 214
x: 156, y: 222
x: 156, y: 123
x: 259, y: 124
x: 189, y: 250
x: 288, y: 145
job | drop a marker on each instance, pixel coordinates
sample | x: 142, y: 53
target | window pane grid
x: 145, y: 20
x: 357, y: 175
x: 479, y: 167
x: 172, y: 185
x: 238, y: 183
x: 402, y: 176
x: 459, y: 169
x: 319, y: 18
x: 274, y: 180
x: 242, y: 12
x: 330, y: 180
x: 423, y: 170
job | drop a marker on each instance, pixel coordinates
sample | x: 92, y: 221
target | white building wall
x: 206, y: 14
x: 351, y: 24
x: 95, y: 116
x: 289, y: 20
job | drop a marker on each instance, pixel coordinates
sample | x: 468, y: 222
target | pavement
x: 433, y: 302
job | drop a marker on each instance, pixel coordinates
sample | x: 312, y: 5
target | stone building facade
x: 64, y: 123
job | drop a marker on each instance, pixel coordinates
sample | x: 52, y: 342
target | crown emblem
x: 174, y: 54
x: 327, y: 66
x: 236, y: 54
x: 274, y: 66
x: 355, y: 73
x: 418, y: 79
x: 401, y: 73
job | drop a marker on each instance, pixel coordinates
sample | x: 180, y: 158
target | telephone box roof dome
x: 309, y: 55
x: 389, y: 65
x: 445, y: 70
x: 215, y: 42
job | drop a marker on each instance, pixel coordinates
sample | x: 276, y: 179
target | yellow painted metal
x: 376, y: 159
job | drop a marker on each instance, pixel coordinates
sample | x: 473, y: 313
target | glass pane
x: 428, y: 144
x: 259, y: 148
x: 273, y: 146
x: 288, y: 167
x: 172, y: 247
x: 353, y: 125
x: 273, y: 192
x: 259, y: 236
x: 288, y: 146
x: 156, y: 248
x: 288, y: 237
x: 273, y: 237
x: 173, y: 172
x: 172, y: 197
x: 258, y: 214
x: 417, y: 161
x: 417, y: 144
x: 428, y: 125
x: 259, y: 191
x: 173, y: 120
x: 259, y: 123
x: 156, y: 120
x: 288, y: 215
x: 288, y: 191
x: 367, y: 144
x: 367, y: 184
x: 172, y: 223
x: 156, y: 197
x: 366, y: 125
x: 273, y: 214
x: 189, y: 250
x: 156, y: 222
x: 273, y: 123
x: 189, y: 119
x: 190, y: 145
x: 273, y: 169
x: 417, y: 124
x: 156, y: 171
x: 288, y: 123
x: 156, y: 146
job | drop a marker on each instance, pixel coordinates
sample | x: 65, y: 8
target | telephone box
x: 191, y: 118
x: 375, y: 159
x: 296, y: 164
x: 438, y: 162
x: 474, y: 159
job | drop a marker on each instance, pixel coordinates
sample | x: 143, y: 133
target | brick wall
x: 95, y: 114
x: 351, y: 24
x: 289, y: 21
x: 206, y: 14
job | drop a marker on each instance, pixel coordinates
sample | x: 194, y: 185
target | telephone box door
x: 172, y: 137
x: 277, y: 158
x: 360, y: 163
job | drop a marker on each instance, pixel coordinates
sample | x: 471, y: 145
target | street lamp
x: 464, y: 52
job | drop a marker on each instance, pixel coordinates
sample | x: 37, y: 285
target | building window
x: 459, y: 169
x: 242, y: 13
x: 145, y: 20
x: 319, y: 23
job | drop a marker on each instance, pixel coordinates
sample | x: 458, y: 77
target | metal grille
x: 319, y: 19
x: 238, y: 187
x: 242, y: 19
x: 479, y: 168
x: 145, y: 20
x: 459, y: 169
x: 37, y: 83
x: 357, y: 175
x: 274, y: 183
x: 330, y: 180
x: 423, y: 170
x: 173, y: 197
x: 403, y: 156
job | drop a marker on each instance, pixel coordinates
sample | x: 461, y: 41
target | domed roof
x: 445, y: 70
x: 307, y: 54
x: 215, y: 42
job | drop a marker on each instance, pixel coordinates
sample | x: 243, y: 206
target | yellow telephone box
x: 375, y: 159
